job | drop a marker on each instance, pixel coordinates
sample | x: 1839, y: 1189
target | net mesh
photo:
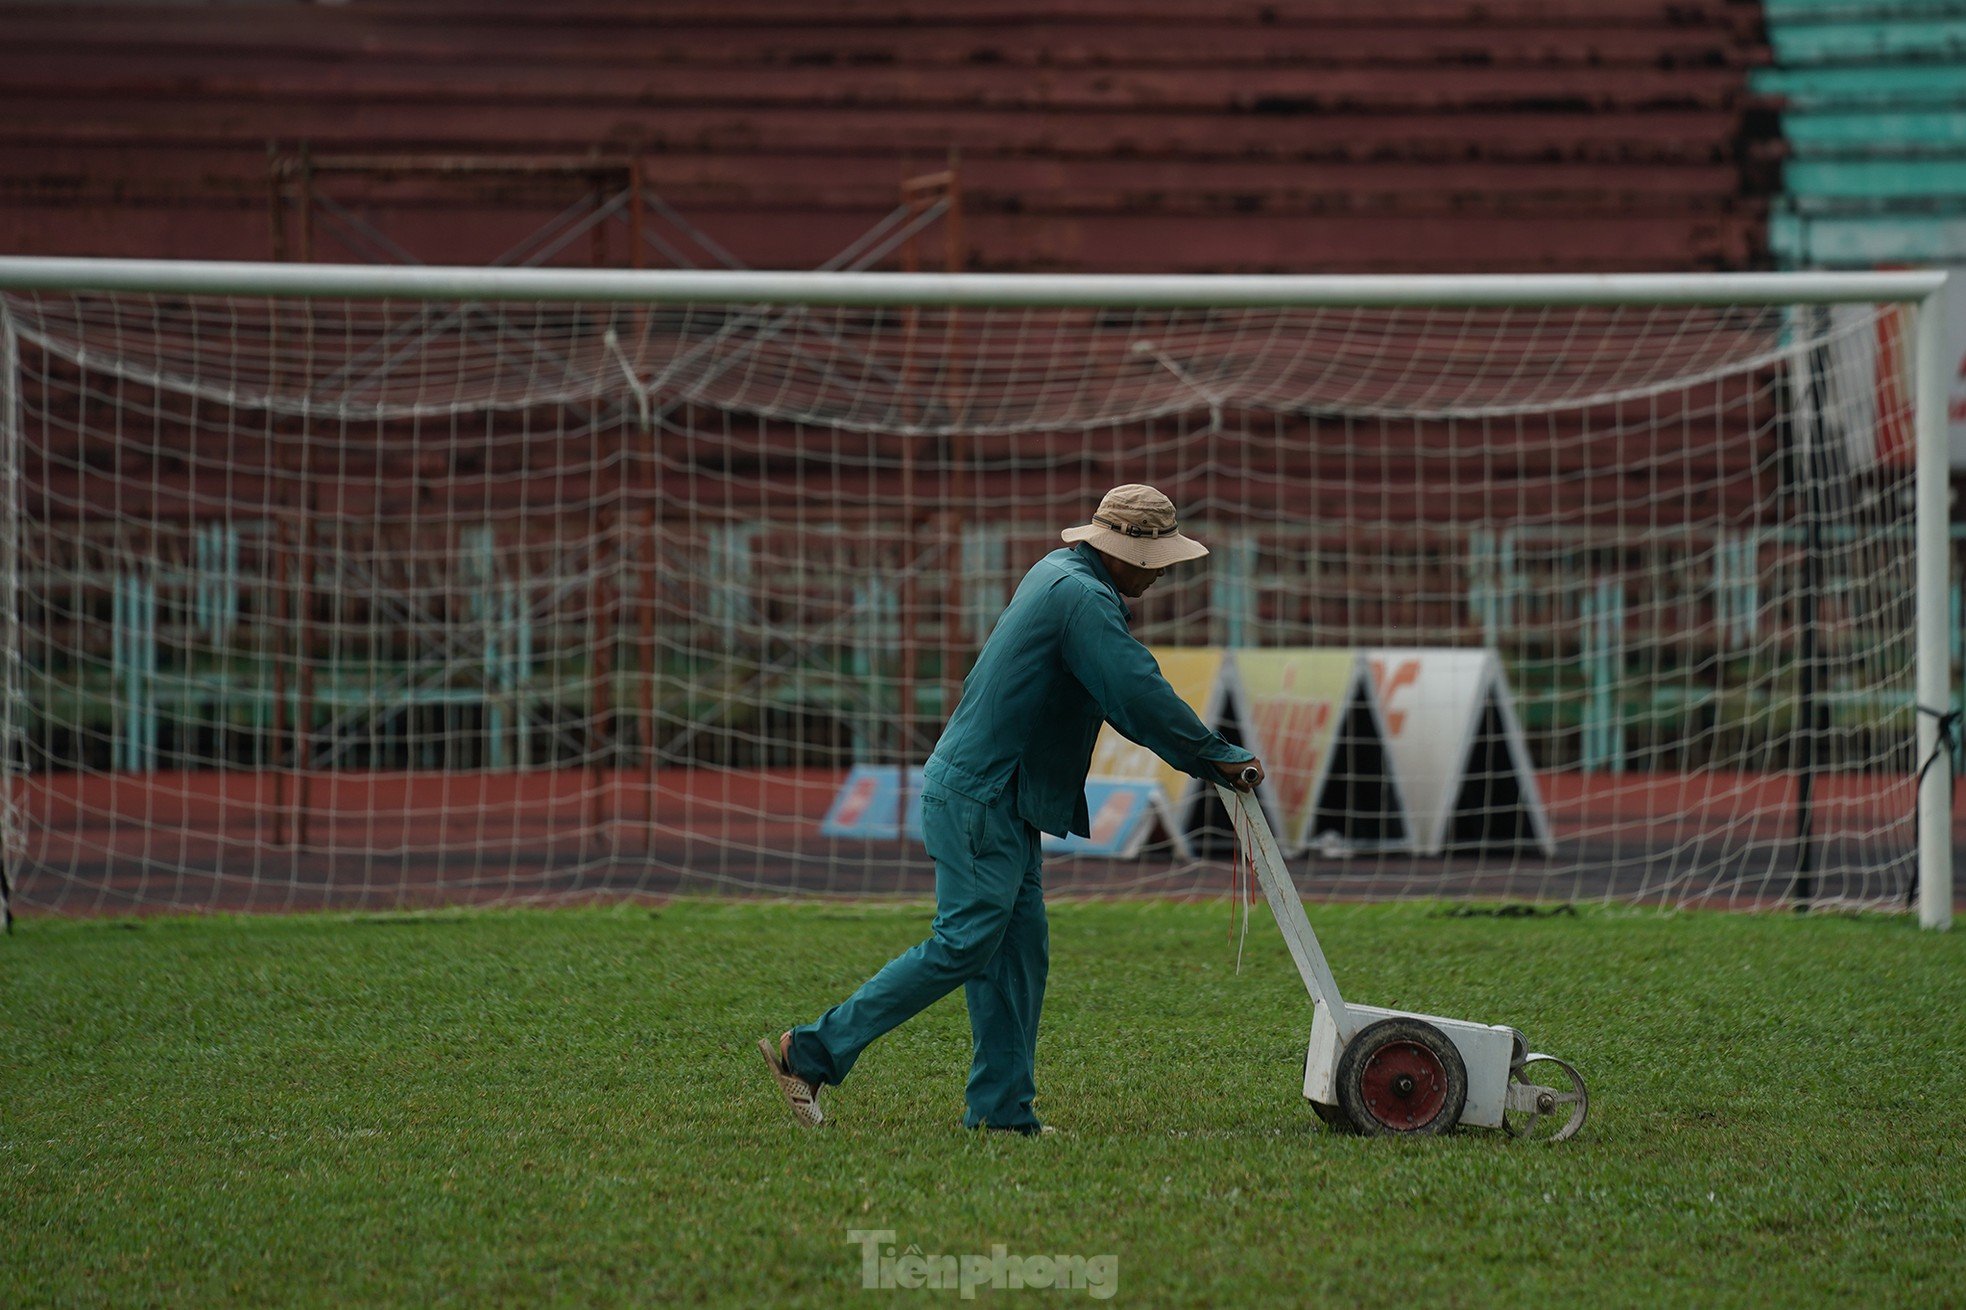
x: 326, y: 603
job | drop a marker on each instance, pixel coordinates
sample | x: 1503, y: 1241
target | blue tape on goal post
x: 869, y: 802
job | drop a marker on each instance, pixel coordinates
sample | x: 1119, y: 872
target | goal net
x: 499, y: 587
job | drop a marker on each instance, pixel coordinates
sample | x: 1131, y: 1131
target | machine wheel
x: 1401, y: 1075
x: 1543, y: 1106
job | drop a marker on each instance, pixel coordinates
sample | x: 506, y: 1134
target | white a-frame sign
x: 1459, y: 752
x: 1313, y: 717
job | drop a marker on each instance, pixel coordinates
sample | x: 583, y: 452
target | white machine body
x: 1486, y: 1049
x: 1493, y: 1055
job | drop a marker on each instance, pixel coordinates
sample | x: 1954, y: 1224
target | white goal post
x: 290, y: 545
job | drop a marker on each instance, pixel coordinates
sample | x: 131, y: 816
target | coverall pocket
x: 952, y: 826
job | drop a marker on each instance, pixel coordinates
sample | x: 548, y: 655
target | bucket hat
x: 1136, y: 523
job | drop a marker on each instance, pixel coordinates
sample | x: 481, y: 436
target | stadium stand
x: 1095, y: 134
x: 1872, y: 95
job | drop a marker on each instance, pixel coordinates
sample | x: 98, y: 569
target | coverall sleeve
x: 1123, y: 678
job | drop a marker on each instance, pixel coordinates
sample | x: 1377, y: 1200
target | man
x: 1012, y: 763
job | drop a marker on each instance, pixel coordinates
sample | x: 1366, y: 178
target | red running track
x: 242, y: 841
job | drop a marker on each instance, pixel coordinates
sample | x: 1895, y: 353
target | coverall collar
x: 1091, y: 557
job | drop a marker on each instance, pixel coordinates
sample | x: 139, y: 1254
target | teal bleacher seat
x: 1873, y: 99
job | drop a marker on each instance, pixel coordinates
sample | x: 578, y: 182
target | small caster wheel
x: 1401, y: 1075
x: 1546, y: 1100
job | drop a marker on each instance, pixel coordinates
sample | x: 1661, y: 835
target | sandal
x: 801, y: 1096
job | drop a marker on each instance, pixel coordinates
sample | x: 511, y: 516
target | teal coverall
x: 1012, y: 763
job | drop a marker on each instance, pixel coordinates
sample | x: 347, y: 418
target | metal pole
x: 598, y: 233
x: 13, y: 732
x: 1934, y: 648
x: 1083, y: 290
x: 905, y: 607
x: 1811, y: 468
x: 304, y: 674
x: 305, y: 192
x: 650, y: 556
x: 602, y: 622
x: 956, y: 499
x: 637, y: 217
x: 276, y: 201
x: 282, y: 637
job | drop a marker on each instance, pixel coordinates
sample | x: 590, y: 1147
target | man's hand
x: 1243, y: 776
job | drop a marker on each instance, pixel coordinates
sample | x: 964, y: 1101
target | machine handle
x: 1260, y: 845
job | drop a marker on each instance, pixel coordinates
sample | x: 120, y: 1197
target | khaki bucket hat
x: 1136, y: 523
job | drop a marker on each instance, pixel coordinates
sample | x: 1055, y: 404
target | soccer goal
x: 333, y: 586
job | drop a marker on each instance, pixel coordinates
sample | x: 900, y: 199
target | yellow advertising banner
x: 1195, y: 673
x: 1296, y: 701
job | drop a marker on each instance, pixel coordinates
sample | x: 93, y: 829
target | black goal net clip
x: 1947, y: 742
x: 1946, y: 745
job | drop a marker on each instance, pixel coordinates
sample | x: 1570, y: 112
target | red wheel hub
x: 1404, y: 1085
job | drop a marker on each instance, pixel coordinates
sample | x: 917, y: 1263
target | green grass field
x: 566, y: 1107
